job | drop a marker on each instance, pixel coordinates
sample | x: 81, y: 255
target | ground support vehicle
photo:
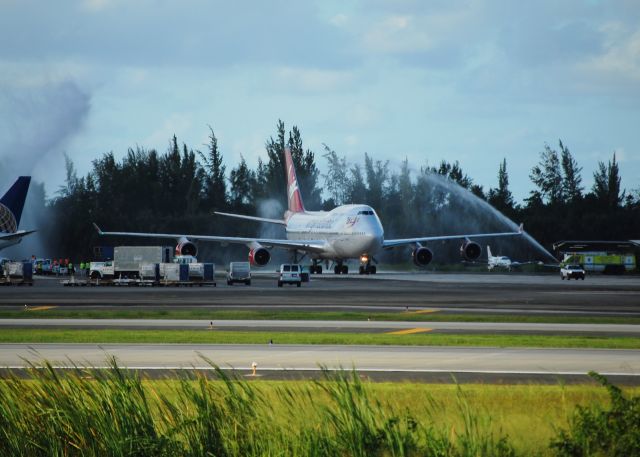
x: 572, y: 271
x: 155, y: 274
x: 126, y: 261
x: 290, y: 273
x: 239, y: 272
x: 17, y: 274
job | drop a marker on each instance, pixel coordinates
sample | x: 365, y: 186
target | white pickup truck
x: 102, y: 270
x: 572, y: 271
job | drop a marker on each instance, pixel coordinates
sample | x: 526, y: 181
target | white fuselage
x: 350, y: 231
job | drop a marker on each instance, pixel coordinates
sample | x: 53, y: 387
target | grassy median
x: 206, y: 336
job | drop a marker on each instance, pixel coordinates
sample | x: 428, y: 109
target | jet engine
x: 259, y: 256
x: 422, y: 256
x: 470, y: 250
x: 186, y: 247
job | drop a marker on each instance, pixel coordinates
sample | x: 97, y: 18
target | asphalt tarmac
x: 598, y: 295
x: 330, y: 326
x: 521, y: 294
x: 284, y: 360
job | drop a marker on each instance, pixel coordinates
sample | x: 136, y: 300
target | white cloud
x: 417, y: 33
x: 620, y: 60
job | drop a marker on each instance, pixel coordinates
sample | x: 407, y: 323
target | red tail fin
x: 294, y: 197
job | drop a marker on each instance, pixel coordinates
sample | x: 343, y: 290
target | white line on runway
x: 305, y: 357
x: 359, y: 369
x: 324, y: 325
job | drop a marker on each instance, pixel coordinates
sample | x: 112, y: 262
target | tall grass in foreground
x: 112, y: 412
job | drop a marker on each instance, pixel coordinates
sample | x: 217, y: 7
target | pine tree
x: 336, y: 180
x: 606, y: 186
x: 548, y: 177
x: 501, y: 197
x: 377, y: 174
x: 357, y: 190
x: 242, y: 186
x: 215, y: 187
x: 571, y: 179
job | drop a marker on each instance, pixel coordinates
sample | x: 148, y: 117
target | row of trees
x: 177, y: 191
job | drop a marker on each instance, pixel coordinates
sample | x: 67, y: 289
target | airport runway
x: 330, y: 326
x: 489, y: 293
x: 502, y: 362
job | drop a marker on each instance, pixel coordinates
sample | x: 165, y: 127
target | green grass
x: 213, y: 314
x: 113, y: 412
x: 261, y: 337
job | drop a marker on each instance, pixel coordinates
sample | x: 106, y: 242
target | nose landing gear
x: 365, y: 266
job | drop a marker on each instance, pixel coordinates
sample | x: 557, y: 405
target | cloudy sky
x: 475, y: 81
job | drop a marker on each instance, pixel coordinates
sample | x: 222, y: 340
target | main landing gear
x: 340, y: 268
x: 315, y: 269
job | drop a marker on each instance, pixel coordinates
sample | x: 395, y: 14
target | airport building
x: 609, y: 257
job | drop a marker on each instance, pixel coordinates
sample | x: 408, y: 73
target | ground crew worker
x: 254, y: 367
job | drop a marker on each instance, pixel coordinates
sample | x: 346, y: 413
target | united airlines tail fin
x: 294, y: 198
x: 11, y: 205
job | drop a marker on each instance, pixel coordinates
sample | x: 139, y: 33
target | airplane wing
x: 316, y: 246
x: 15, y: 235
x: 252, y: 218
x: 424, y: 239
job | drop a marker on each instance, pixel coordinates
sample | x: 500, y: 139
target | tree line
x: 178, y: 190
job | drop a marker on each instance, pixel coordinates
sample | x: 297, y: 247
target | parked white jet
x: 346, y: 232
x: 497, y: 261
x: 501, y: 261
x: 11, y: 205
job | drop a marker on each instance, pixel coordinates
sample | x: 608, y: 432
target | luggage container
x: 18, y: 273
x: 209, y: 271
x: 196, y: 271
x: 183, y: 272
x: 170, y: 272
x: 127, y: 259
x: 150, y: 271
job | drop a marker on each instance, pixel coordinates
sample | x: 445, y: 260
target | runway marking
x: 409, y: 331
x: 41, y: 308
x: 423, y: 311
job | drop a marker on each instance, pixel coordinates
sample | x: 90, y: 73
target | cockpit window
x: 365, y: 213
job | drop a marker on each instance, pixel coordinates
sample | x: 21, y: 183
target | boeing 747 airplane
x: 346, y: 232
x: 11, y: 205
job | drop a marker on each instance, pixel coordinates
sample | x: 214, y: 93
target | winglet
x: 100, y: 232
x: 521, y: 228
